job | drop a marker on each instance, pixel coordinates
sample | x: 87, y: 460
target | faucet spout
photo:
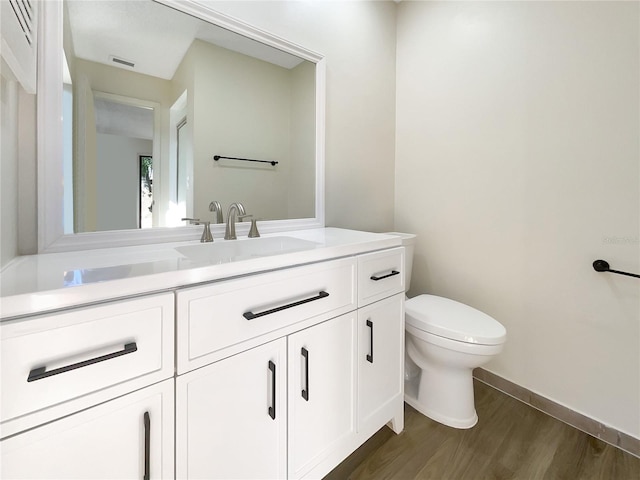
x: 230, y: 230
x: 215, y: 207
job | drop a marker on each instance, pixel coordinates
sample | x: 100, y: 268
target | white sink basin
x: 226, y: 251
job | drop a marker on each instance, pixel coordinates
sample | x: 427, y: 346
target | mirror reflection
x: 153, y: 94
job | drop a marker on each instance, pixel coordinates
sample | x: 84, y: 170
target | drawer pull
x: 370, y: 356
x: 305, y: 390
x: 147, y: 445
x: 251, y: 315
x: 41, y: 372
x: 272, y: 408
x: 376, y: 278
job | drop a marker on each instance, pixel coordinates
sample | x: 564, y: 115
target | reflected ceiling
x: 102, y: 33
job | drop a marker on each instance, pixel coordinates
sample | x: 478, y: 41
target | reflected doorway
x: 115, y: 162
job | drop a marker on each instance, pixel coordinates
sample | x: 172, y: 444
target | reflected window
x: 145, y: 213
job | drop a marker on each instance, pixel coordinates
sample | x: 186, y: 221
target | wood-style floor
x: 510, y: 441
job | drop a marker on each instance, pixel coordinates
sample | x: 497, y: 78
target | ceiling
x: 115, y: 118
x: 152, y: 36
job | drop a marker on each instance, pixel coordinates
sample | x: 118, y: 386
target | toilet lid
x: 450, y: 319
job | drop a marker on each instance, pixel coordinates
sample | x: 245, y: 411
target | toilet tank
x: 408, y: 242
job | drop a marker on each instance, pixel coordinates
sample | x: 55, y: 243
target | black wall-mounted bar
x: 272, y: 162
x: 603, y: 266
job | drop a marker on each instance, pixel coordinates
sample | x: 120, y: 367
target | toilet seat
x: 453, y: 320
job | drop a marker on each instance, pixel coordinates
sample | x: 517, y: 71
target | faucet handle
x: 242, y: 217
x: 253, y: 231
x: 206, y: 233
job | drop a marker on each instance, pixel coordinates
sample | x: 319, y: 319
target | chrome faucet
x: 215, y: 207
x: 230, y: 230
x: 206, y: 233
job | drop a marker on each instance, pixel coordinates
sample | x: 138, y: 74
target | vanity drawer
x: 214, y: 320
x: 380, y: 274
x: 51, y: 359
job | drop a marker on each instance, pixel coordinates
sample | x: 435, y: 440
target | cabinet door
x: 321, y: 392
x: 232, y: 417
x: 380, y: 361
x: 129, y: 437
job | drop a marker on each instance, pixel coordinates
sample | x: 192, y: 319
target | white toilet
x: 445, y: 340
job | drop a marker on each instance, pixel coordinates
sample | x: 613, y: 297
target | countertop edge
x: 15, y: 307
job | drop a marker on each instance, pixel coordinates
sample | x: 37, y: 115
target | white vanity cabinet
x: 128, y: 437
x: 88, y: 392
x: 239, y: 416
x: 281, y: 375
x: 260, y: 370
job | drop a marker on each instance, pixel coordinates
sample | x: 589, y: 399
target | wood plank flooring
x: 510, y: 441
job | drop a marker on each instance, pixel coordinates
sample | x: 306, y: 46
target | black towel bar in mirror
x: 272, y: 162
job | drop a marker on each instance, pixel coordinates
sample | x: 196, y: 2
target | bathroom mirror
x: 146, y: 124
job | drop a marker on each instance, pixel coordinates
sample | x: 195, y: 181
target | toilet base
x: 458, y: 413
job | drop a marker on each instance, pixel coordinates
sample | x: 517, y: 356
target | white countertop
x: 38, y: 283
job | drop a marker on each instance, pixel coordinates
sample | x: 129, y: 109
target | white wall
x: 85, y: 166
x: 17, y: 169
x: 241, y: 109
x: 118, y: 174
x: 518, y: 166
x: 358, y: 41
x: 9, y: 170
